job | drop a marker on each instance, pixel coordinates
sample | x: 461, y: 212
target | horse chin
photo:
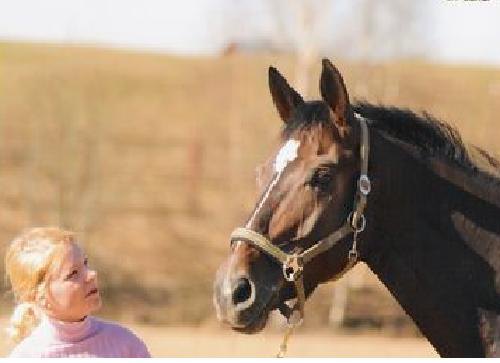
x: 255, y: 326
x: 259, y: 318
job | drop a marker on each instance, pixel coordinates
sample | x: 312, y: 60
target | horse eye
x: 321, y: 178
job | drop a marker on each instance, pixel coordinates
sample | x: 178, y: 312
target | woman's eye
x: 70, y: 275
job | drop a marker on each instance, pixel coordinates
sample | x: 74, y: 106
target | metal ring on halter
x: 353, y: 255
x: 293, y: 267
x: 357, y: 228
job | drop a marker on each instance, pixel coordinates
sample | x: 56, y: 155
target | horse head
x: 307, y: 193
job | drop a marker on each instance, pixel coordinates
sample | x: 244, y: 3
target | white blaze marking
x: 287, y: 154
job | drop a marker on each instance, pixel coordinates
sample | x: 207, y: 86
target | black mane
x: 430, y: 135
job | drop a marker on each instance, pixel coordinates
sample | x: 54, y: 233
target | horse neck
x: 431, y: 244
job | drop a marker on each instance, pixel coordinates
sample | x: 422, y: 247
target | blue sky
x: 457, y: 31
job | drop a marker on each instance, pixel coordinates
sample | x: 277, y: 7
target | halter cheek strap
x: 293, y: 264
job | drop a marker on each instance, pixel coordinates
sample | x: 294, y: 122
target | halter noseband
x: 293, y: 263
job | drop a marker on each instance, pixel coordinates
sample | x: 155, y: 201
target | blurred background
x: 140, y: 126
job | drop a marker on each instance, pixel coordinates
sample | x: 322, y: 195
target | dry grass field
x: 152, y: 159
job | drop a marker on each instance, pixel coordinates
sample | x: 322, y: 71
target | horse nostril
x: 242, y: 291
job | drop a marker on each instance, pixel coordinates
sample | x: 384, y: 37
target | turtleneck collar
x: 70, y: 332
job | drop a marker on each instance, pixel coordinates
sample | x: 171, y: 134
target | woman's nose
x: 91, y: 274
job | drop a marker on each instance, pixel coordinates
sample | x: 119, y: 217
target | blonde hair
x: 28, y: 259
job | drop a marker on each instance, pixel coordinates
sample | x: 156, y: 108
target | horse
x: 358, y: 182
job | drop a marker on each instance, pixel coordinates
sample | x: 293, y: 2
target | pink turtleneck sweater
x: 89, y: 338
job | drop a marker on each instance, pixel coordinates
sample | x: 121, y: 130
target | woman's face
x: 72, y: 291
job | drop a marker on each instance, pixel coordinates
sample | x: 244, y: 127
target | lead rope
x: 284, y: 344
x: 292, y: 324
x: 295, y: 319
x: 297, y: 316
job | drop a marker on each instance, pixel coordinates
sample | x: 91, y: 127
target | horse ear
x: 334, y: 93
x: 285, y: 98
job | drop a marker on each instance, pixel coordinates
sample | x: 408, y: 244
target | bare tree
x: 298, y: 24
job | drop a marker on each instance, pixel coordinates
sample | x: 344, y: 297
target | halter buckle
x: 364, y: 184
x: 293, y: 268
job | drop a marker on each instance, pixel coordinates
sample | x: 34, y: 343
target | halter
x: 293, y: 263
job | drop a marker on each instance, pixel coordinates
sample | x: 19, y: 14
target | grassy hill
x: 152, y: 157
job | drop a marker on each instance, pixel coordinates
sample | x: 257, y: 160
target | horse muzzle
x: 239, y: 303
